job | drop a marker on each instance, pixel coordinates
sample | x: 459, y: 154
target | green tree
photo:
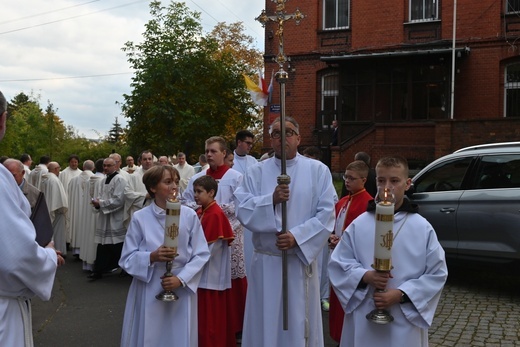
x: 115, y: 134
x: 185, y: 88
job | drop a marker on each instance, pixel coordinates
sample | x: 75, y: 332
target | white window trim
x: 337, y: 9
x: 331, y: 92
x: 423, y: 19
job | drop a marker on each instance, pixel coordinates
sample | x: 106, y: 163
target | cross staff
x: 282, y: 76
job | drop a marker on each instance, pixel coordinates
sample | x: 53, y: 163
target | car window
x: 499, y: 171
x: 445, y: 176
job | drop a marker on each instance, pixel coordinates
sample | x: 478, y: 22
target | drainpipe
x: 453, y: 55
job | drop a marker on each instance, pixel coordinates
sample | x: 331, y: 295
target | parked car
x: 472, y: 199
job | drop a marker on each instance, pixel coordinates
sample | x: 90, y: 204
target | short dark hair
x: 206, y: 182
x: 25, y: 157
x: 73, y: 156
x: 362, y: 156
x: 242, y: 135
x: 45, y: 159
x: 99, y: 165
x: 153, y: 176
x: 145, y: 152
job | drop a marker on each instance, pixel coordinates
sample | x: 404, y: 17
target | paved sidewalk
x: 479, y: 307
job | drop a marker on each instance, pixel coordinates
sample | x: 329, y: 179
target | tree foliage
x: 187, y: 86
x: 32, y: 130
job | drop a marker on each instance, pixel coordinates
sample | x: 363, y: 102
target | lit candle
x: 384, y: 232
x: 171, y: 226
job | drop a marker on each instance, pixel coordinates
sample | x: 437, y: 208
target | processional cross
x: 281, y: 77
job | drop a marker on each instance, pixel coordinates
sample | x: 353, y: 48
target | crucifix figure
x: 282, y: 76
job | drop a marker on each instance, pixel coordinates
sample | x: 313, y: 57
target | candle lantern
x: 171, y: 240
x: 384, y: 238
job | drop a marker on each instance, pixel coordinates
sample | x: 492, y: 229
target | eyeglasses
x: 288, y: 133
x: 350, y: 178
x: 249, y: 143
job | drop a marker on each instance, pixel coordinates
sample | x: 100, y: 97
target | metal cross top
x: 281, y: 17
x: 282, y: 76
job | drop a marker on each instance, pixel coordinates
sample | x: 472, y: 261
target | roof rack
x: 489, y: 145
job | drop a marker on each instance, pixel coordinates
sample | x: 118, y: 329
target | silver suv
x: 472, y: 199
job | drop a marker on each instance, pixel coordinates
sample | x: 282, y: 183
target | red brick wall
x: 376, y: 26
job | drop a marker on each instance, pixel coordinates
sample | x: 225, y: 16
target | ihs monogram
x: 388, y: 240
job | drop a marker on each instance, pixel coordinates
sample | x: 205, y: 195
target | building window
x: 336, y: 14
x: 512, y: 6
x: 329, y: 98
x: 423, y: 10
x: 512, y: 90
x: 411, y: 91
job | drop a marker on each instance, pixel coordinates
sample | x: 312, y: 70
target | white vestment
x: 241, y: 165
x: 35, y: 176
x: 148, y: 321
x: 186, y: 172
x: 310, y: 217
x: 226, y: 186
x: 135, y: 195
x: 419, y: 270
x: 67, y: 174
x: 26, y: 269
x: 57, y: 203
x: 80, y: 209
x: 88, y: 247
x: 109, y: 226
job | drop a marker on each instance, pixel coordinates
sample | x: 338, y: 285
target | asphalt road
x: 480, y: 306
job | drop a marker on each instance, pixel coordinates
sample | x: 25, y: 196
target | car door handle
x: 447, y: 209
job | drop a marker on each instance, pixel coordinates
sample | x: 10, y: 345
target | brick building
x: 383, y: 70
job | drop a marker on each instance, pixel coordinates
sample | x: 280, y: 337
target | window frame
x: 337, y: 16
x: 329, y: 92
x: 510, y: 86
x: 516, y: 3
x: 424, y: 19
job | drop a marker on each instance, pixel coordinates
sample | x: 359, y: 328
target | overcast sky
x: 69, y: 51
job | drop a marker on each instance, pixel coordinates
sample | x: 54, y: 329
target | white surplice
x: 110, y: 228
x: 186, y: 172
x: 226, y: 186
x: 88, y: 247
x: 148, y: 321
x: 67, y: 174
x: 310, y: 219
x: 80, y: 209
x: 26, y: 269
x: 241, y: 165
x: 135, y: 194
x: 35, y: 176
x: 419, y: 270
x: 57, y: 203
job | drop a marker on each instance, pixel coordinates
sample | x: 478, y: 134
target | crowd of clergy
x: 110, y: 215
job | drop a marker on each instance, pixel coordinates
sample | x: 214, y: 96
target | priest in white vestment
x: 88, y: 247
x: 110, y: 229
x: 410, y: 292
x: 244, y: 141
x: 310, y: 218
x: 35, y: 176
x: 57, y: 203
x: 80, y: 210
x: 26, y: 269
x: 185, y: 170
x: 70, y: 171
x: 136, y: 196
